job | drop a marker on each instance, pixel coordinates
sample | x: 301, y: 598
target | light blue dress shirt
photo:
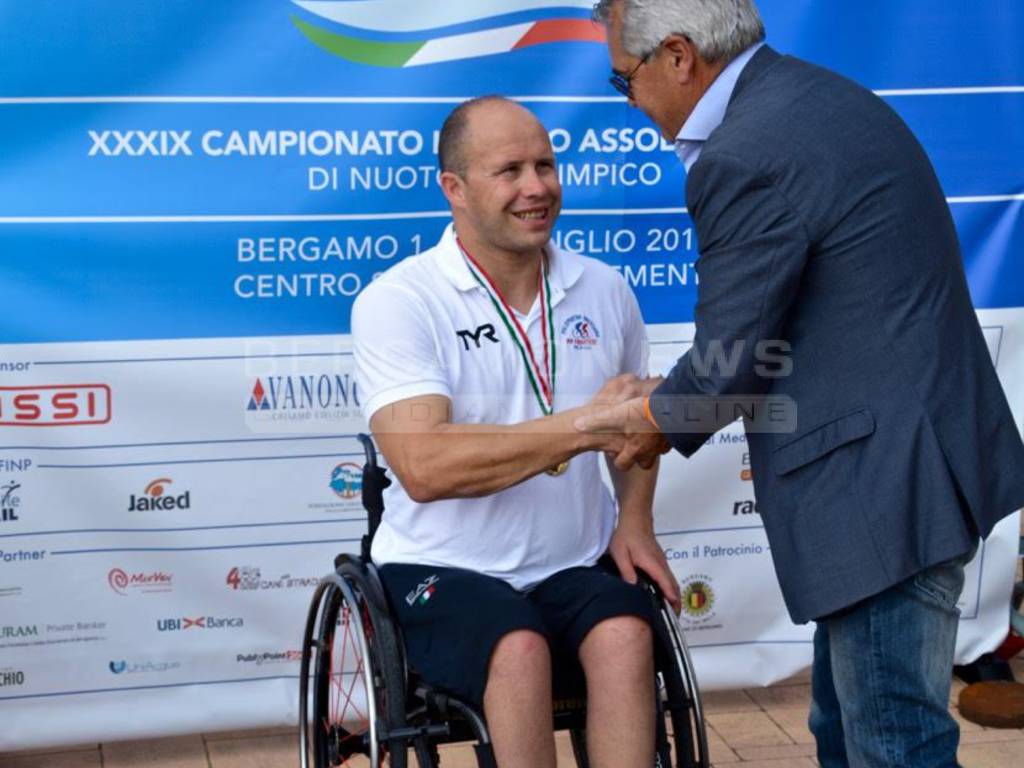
x: 710, y: 110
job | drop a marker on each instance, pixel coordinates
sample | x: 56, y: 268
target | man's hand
x: 634, y: 546
x: 643, y: 442
x: 625, y: 387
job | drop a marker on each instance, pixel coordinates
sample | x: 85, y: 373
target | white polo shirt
x: 426, y: 327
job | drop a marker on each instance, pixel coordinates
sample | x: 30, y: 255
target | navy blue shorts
x: 452, y: 619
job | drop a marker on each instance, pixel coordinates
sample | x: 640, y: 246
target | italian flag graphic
x: 409, y: 33
x: 426, y: 594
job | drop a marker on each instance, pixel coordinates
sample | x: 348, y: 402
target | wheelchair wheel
x: 358, y: 682
x: 678, y: 697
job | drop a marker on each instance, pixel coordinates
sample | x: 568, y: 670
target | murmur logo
x: 410, y: 33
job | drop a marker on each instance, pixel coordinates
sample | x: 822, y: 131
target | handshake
x: 616, y: 422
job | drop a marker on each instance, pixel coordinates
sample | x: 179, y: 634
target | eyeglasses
x: 623, y: 83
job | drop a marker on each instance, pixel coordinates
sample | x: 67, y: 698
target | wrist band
x: 648, y: 415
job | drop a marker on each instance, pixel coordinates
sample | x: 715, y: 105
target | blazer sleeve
x: 753, y: 248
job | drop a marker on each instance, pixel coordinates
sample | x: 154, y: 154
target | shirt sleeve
x: 395, y: 349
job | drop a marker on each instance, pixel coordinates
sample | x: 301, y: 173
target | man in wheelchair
x: 501, y: 547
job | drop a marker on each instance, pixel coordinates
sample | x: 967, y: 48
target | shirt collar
x: 709, y: 112
x: 564, y: 268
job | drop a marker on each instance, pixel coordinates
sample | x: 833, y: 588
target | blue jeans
x: 881, y: 676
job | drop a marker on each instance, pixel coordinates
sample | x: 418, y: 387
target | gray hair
x: 720, y: 29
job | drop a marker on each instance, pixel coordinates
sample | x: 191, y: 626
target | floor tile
x: 279, y: 751
x: 748, y: 729
x: 993, y: 755
x: 780, y: 752
x: 177, y: 752
x: 781, y: 696
x: 727, y: 701
x: 77, y: 759
x: 793, y: 720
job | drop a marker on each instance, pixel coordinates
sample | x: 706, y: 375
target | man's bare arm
x: 436, y: 459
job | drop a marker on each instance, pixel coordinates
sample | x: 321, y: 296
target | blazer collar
x: 757, y: 66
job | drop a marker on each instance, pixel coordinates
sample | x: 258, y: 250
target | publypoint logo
x: 155, y: 497
x: 274, y: 657
x: 409, y: 33
x: 347, y: 480
x: 155, y: 581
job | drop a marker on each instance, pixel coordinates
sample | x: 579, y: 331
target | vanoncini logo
x: 409, y: 33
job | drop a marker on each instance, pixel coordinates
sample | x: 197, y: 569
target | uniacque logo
x: 56, y: 405
x: 580, y: 332
x: 745, y: 473
x: 409, y: 33
x: 155, y: 581
x: 424, y: 591
x: 122, y: 667
x: 10, y: 502
x: 347, y: 480
x: 155, y: 497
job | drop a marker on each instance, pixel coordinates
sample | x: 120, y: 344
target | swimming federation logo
x: 347, y: 480
x: 410, y: 33
x: 580, y: 332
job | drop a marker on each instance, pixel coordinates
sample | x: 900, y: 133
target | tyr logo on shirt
x: 485, y: 331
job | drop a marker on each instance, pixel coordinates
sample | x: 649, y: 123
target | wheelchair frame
x: 402, y: 712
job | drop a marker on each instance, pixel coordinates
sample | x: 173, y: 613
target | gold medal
x: 558, y: 469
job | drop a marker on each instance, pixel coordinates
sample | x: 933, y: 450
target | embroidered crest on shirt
x: 580, y: 332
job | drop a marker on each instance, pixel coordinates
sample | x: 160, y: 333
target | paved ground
x: 752, y: 728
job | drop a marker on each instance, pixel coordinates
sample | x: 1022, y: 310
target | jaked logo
x: 409, y: 33
x: 155, y: 497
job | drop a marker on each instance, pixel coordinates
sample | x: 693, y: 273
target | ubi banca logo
x: 199, y: 622
x: 155, y: 581
x: 155, y: 496
x: 410, y: 33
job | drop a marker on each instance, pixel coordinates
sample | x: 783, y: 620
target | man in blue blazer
x: 824, y: 232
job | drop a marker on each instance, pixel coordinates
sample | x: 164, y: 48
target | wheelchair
x: 360, y: 704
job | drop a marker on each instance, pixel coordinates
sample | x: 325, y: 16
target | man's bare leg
x: 618, y: 659
x: 517, y: 702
